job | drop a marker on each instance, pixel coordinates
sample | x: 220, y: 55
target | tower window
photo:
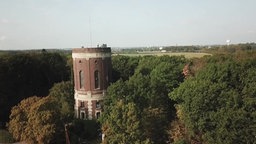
x: 81, y: 79
x: 97, y: 79
x: 98, y: 105
x: 98, y: 115
x: 82, y: 115
x: 82, y: 104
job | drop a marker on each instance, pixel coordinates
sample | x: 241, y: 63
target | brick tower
x: 92, y: 74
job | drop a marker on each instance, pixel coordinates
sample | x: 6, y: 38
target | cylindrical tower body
x: 92, y: 74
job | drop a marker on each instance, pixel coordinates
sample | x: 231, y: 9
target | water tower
x: 92, y: 74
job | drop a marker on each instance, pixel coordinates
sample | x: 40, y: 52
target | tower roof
x: 92, y: 50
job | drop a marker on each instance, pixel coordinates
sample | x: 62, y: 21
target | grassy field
x: 186, y: 54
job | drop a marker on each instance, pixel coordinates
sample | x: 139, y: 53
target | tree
x: 123, y: 67
x: 217, y: 104
x: 35, y: 120
x: 62, y: 93
x: 84, y: 130
x: 155, y: 122
x: 26, y: 74
x: 146, y: 90
x: 123, y: 125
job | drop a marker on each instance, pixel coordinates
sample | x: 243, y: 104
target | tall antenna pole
x: 90, y: 27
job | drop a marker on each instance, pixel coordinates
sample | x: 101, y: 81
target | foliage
x: 177, y: 132
x: 142, y: 100
x: 35, y: 120
x: 123, y: 125
x: 123, y: 67
x: 5, y: 137
x: 26, y: 74
x: 183, y: 48
x: 63, y: 95
x: 84, y: 130
x: 218, y: 103
x: 232, y: 49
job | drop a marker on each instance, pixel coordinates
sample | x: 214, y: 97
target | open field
x: 186, y: 54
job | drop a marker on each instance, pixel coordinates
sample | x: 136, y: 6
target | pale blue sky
x: 37, y: 24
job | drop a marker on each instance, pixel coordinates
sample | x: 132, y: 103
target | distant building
x: 92, y: 74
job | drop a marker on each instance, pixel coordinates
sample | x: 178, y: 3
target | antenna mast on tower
x: 90, y: 27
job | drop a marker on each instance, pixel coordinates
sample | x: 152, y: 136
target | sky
x: 38, y: 24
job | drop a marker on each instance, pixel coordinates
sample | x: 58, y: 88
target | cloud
x: 2, y: 38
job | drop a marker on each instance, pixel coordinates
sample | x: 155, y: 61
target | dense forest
x: 213, y: 96
x: 28, y: 74
x: 216, y: 103
x: 138, y: 109
x: 152, y: 99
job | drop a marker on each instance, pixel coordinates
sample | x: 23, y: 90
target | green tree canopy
x: 123, y: 67
x: 62, y: 93
x: 218, y: 103
x: 123, y: 125
x: 26, y: 74
x: 145, y: 96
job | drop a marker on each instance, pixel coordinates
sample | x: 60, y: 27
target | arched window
x: 81, y: 79
x: 82, y: 115
x: 97, y: 79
